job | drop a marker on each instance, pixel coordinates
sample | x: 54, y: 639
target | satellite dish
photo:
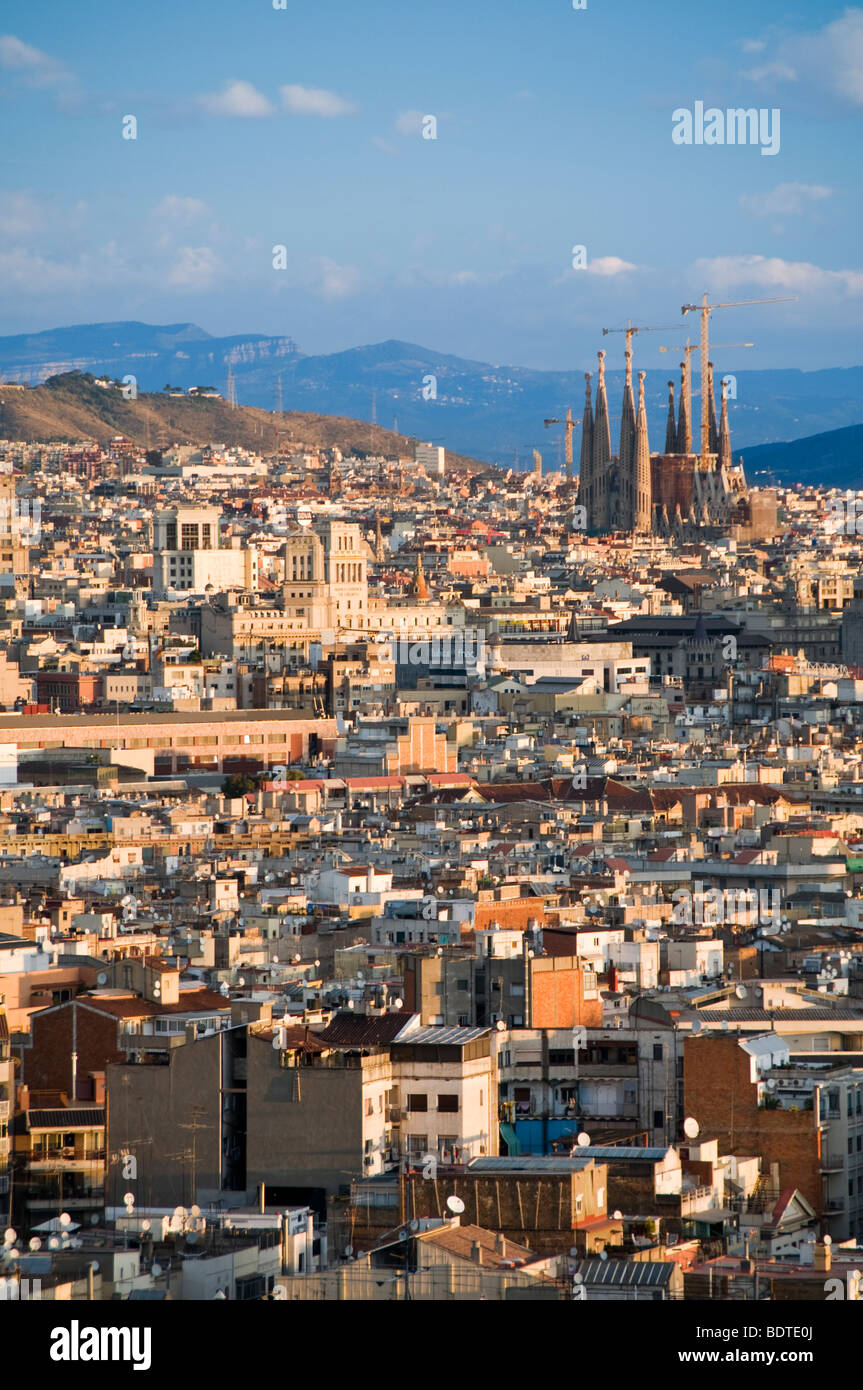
x: 691, y: 1128
x: 145, y: 1225
x: 242, y: 980
x: 35, y: 1243
x: 155, y: 1270
x: 129, y: 1200
x: 696, y: 1026
x: 360, y: 975
x: 317, y: 963
x: 603, y: 1254
x: 349, y: 1250
x: 740, y: 992
x: 725, y: 1025
x: 828, y: 1240
x: 618, y: 1215
x: 583, y: 1140
x: 195, y: 1210
x: 10, y: 1235
x: 351, y: 1004
x: 398, y: 1003
x: 771, y: 1084
x: 500, y: 1025
x: 455, y: 1205
x: 101, y: 978
x: 53, y: 1243
x: 66, y: 1220
x: 415, y: 1225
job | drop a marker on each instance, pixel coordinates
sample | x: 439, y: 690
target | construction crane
x: 570, y: 426
x: 705, y: 310
x: 688, y: 347
x: 629, y: 330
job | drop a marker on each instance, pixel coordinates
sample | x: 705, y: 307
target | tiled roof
x: 65, y: 1119
x: 630, y: 1272
x: 358, y: 1030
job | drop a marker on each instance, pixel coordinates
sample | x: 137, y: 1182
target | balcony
x: 395, y: 1115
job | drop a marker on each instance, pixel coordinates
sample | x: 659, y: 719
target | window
x: 369, y: 1105
x: 448, y: 1104
x: 461, y: 984
x: 418, y: 1102
x: 658, y: 1052
x: 657, y: 1119
x: 561, y: 1057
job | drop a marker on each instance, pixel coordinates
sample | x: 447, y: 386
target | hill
x: 832, y: 459
x: 492, y: 412
x: 72, y: 407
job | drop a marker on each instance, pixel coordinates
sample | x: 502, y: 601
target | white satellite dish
x: 603, y: 1254
x: 500, y: 1025
x: 828, y: 1240
x: 398, y: 1003
x: 691, y: 1127
x: 53, y: 1243
x: 696, y: 1026
x: 155, y: 1270
x: 128, y: 1199
x: 740, y: 991
x: 771, y: 1084
x: 101, y: 978
x: 35, y: 1243
x: 66, y: 1220
x: 455, y: 1205
x: 583, y: 1140
x: 10, y: 1235
x: 618, y: 1215
x: 351, y: 1004
x: 360, y: 975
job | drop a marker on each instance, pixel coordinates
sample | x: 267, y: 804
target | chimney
x: 476, y: 1252
x: 500, y: 1244
x: 823, y: 1257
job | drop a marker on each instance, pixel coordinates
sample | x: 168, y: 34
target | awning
x: 508, y: 1135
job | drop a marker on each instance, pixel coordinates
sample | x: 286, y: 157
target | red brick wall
x: 513, y: 914
x: 557, y: 995
x: 48, y: 1064
x: 719, y: 1094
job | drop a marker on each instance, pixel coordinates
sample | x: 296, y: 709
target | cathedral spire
x: 670, y: 425
x: 713, y: 436
x: 724, y: 431
x: 626, y: 459
x: 586, y: 489
x: 642, y: 501
x: 684, y: 424
x: 601, y: 448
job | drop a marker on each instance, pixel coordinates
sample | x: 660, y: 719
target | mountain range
x: 490, y: 412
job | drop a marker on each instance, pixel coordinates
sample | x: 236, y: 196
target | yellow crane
x: 705, y: 310
x: 570, y: 426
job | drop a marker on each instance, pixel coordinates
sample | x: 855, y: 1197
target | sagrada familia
x: 677, y: 493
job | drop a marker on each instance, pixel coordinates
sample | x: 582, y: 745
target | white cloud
x: 785, y: 200
x: 409, y: 122
x: 752, y: 45
x: 609, y: 265
x: 830, y: 60
x: 20, y: 215
x: 315, y: 101
x: 333, y: 281
x: 194, y: 267
x: 771, y: 272
x: 236, y: 99
x: 776, y: 71
x: 39, y: 68
x: 175, y: 209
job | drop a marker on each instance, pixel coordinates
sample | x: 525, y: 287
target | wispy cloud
x: 829, y: 60
x: 237, y: 98
x: 175, y: 209
x: 609, y: 265
x: 785, y: 200
x: 315, y: 101
x: 771, y: 272
x: 39, y: 69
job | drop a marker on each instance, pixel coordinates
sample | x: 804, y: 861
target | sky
x: 302, y: 127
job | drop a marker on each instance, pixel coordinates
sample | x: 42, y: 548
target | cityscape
x: 431, y: 860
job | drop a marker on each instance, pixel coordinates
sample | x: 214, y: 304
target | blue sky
x: 300, y: 127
